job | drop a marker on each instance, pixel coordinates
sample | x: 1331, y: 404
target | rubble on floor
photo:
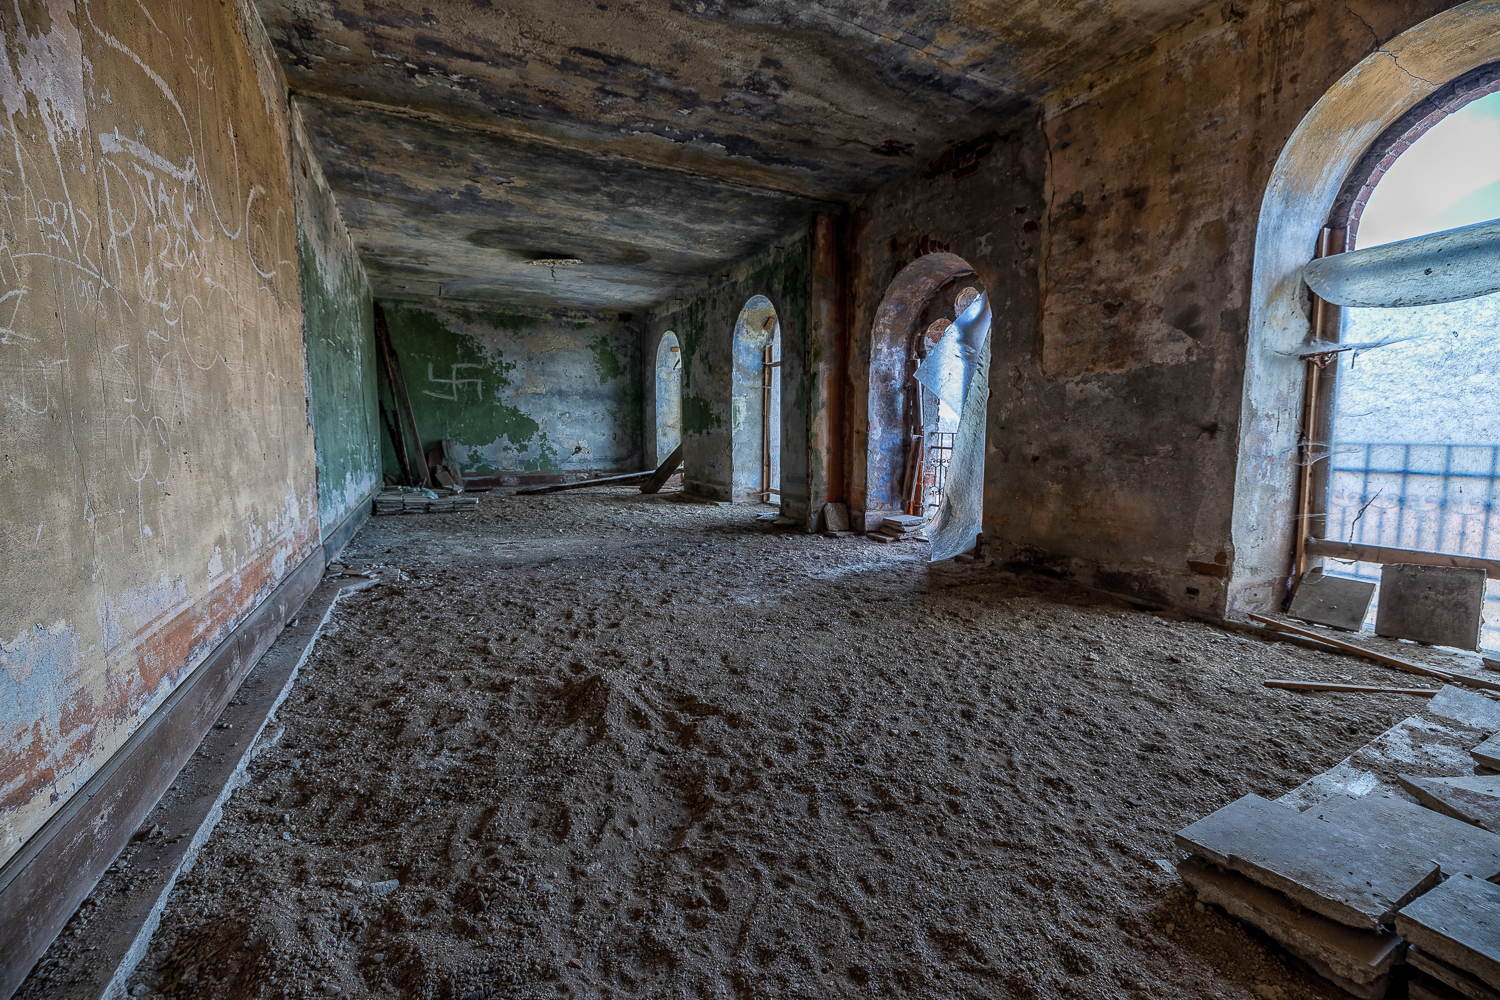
x: 1355, y: 878
x: 420, y: 500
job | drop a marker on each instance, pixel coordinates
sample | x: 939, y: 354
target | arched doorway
x: 756, y: 417
x: 1326, y: 149
x: 929, y: 393
x: 668, y: 396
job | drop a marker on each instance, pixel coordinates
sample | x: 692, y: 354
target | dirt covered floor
x: 605, y: 745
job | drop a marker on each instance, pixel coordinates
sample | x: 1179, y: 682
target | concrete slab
x: 1391, y: 821
x: 1425, y: 987
x: 835, y: 517
x: 1457, y: 923
x: 1419, y: 744
x: 1456, y: 981
x: 1332, y: 600
x: 1487, y: 754
x: 1440, y: 605
x: 1342, y: 874
x: 1468, y: 707
x: 1472, y: 798
x: 1358, y: 961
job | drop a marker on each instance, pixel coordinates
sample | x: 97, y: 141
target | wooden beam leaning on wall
x: 1330, y: 548
x: 415, y: 469
x: 1313, y: 449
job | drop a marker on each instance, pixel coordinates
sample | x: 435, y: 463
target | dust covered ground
x: 605, y: 745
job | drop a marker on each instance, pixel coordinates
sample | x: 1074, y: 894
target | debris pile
x: 1366, y: 886
x: 900, y: 528
x: 420, y: 500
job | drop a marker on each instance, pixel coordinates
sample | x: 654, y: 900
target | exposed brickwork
x: 1401, y: 136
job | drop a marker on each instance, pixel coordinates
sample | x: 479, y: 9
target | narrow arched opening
x: 668, y: 396
x: 756, y: 415
x: 929, y: 393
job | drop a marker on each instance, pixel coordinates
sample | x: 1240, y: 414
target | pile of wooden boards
x: 900, y: 528
x: 1355, y: 878
x: 423, y: 501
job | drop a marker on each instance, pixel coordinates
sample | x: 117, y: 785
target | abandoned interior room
x: 750, y: 499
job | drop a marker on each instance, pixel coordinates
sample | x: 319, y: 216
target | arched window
x: 668, y: 396
x: 1410, y: 405
x: 756, y: 417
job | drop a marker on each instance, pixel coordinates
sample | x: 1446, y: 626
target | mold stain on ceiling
x: 654, y: 142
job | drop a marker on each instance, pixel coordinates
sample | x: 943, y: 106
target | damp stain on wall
x: 521, y: 393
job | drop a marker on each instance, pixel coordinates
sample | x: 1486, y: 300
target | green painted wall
x: 548, y: 393
x: 339, y: 336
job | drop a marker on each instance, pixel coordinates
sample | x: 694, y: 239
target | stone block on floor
x: 1487, y: 754
x: 1342, y: 874
x: 1440, y: 605
x: 1332, y: 600
x: 1357, y: 961
x: 1458, y: 923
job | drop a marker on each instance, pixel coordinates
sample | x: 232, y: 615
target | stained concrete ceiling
x: 656, y: 142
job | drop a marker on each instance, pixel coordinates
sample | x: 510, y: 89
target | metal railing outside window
x: 1427, y: 497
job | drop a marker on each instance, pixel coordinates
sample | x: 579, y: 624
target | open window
x: 1403, y: 450
x: 756, y: 417
x: 668, y: 396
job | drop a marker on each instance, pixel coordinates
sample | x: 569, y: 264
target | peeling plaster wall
x: 704, y: 322
x: 157, y: 479
x: 557, y: 391
x: 1116, y: 235
x: 339, y: 332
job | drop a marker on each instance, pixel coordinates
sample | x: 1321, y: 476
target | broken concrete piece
x: 1455, y: 981
x: 385, y: 888
x: 835, y: 517
x: 1420, y: 744
x: 1332, y: 600
x: 1457, y: 923
x: 1460, y: 847
x: 905, y: 522
x: 1468, y: 707
x: 1358, y: 961
x: 1470, y: 798
x: 1440, y: 605
x: 1342, y: 874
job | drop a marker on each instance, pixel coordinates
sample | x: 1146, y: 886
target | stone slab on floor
x: 1427, y: 743
x: 1357, y: 961
x: 1461, y: 848
x: 1332, y: 600
x: 1457, y: 923
x: 1438, y: 605
x: 1456, y: 981
x: 121, y: 927
x: 1487, y: 754
x: 1342, y: 874
x: 1472, y: 798
x: 1466, y: 707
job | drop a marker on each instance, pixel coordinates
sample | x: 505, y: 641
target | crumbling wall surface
x: 156, y: 475
x: 1113, y: 445
x: 555, y: 391
x: 339, y: 331
x: 704, y: 321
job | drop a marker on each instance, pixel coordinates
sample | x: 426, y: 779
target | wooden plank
x: 624, y: 479
x: 399, y: 394
x: 663, y: 472
x: 43, y: 885
x: 1370, y: 654
x: 1331, y: 686
x: 1332, y: 549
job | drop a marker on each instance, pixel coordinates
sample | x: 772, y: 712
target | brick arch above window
x: 1400, y: 136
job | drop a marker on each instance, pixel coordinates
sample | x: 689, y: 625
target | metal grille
x: 1427, y: 497
x: 935, y: 473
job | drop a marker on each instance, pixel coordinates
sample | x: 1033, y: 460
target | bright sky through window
x: 1449, y: 178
